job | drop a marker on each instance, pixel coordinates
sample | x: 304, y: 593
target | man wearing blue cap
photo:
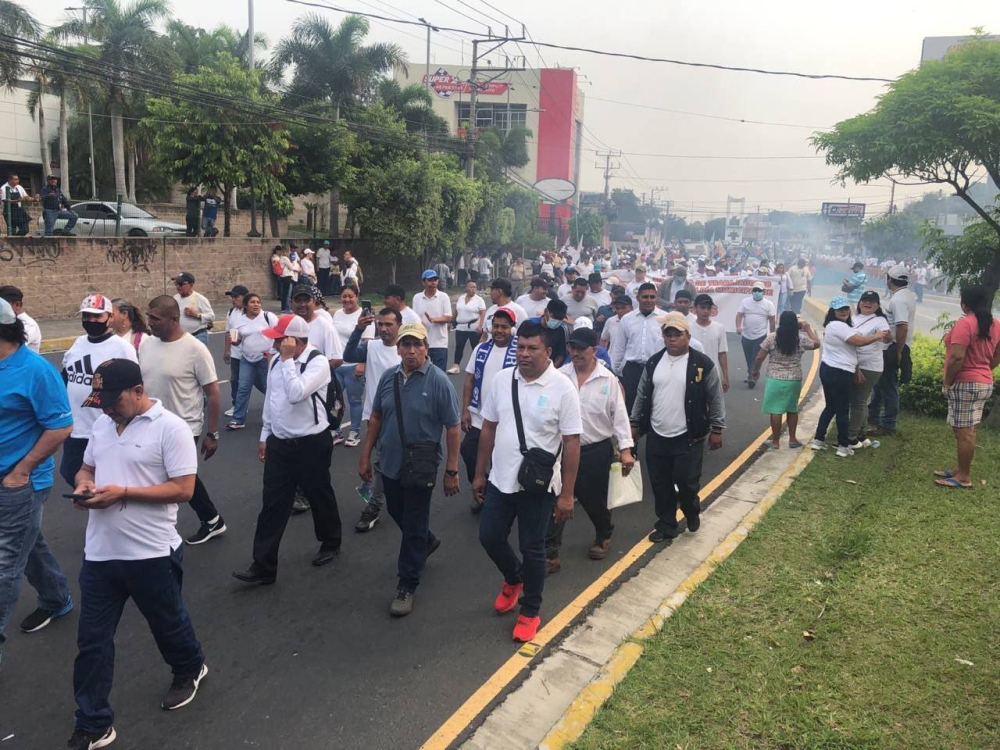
x: 434, y: 309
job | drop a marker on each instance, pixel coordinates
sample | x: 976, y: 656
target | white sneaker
x: 859, y: 444
x: 353, y: 439
x: 843, y: 451
x: 230, y: 412
x: 454, y: 370
x: 818, y: 445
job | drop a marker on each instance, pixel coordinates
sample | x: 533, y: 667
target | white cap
x: 7, y: 316
x: 899, y: 271
x: 96, y: 303
x: 583, y: 322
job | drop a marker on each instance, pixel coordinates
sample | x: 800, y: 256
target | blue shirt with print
x: 33, y: 399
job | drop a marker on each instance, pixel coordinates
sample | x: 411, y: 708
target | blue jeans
x: 782, y: 302
x: 354, y: 389
x: 285, y: 291
x: 208, y: 226
x: 23, y: 551
x: 105, y: 587
x: 411, y: 510
x: 51, y: 215
x: 439, y: 357
x: 884, y: 406
x: 495, y: 522
x: 72, y: 459
x: 202, y: 336
x: 837, y: 385
x: 251, y: 374
x: 234, y: 376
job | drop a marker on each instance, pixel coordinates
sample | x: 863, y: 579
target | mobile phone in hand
x: 366, y: 307
x: 78, y: 497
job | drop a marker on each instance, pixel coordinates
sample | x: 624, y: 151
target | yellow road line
x: 449, y: 731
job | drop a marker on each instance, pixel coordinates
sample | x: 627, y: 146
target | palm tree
x: 16, y: 22
x: 36, y: 107
x: 128, y: 50
x: 332, y: 65
x: 414, y: 104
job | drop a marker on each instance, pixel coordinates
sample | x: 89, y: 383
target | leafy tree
x: 893, y: 235
x: 493, y: 227
x: 938, y: 124
x: 715, y: 228
x: 195, y: 47
x: 499, y: 151
x: 460, y: 201
x: 413, y: 103
x: 220, y: 144
x: 589, y: 225
x: 15, y: 21
x: 695, y: 231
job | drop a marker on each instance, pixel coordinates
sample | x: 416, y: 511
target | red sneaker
x: 509, y: 595
x: 526, y: 628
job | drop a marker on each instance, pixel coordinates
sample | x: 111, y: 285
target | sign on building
x: 844, y: 210
x: 445, y: 85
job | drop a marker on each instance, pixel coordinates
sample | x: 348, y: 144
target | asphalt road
x: 314, y: 661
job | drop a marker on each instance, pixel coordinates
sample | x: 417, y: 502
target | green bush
x: 922, y: 394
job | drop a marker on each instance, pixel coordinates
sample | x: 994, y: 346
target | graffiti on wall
x: 30, y: 253
x: 133, y: 255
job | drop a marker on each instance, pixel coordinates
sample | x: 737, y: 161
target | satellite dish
x: 555, y: 189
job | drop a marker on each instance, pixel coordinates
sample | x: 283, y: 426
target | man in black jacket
x: 678, y: 404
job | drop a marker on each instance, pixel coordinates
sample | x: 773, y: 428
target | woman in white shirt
x: 837, y: 366
x: 870, y: 319
x: 254, y: 350
x: 470, y: 312
x: 350, y: 376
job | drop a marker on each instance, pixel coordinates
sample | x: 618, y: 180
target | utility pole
x: 892, y: 199
x: 427, y: 75
x: 608, y: 169
x: 90, y: 119
x: 250, y: 66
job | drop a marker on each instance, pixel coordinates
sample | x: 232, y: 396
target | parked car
x: 100, y: 219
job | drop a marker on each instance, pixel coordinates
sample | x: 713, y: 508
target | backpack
x: 276, y: 267
x: 332, y: 402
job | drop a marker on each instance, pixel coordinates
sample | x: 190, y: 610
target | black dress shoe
x: 325, y: 555
x: 660, y: 536
x: 254, y: 575
x: 694, y: 523
x: 433, y: 546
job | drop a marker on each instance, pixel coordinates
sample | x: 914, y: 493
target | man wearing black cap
x: 231, y: 353
x: 602, y: 409
x: 597, y: 290
x: 197, y: 315
x: 132, y: 550
x: 854, y: 284
x: 53, y: 201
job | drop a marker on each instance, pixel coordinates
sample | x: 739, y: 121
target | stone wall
x: 55, y: 273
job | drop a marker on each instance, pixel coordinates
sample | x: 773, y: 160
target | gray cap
x: 900, y: 272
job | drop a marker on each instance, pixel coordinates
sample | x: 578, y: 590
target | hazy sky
x: 881, y: 39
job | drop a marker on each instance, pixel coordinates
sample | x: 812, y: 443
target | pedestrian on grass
x: 470, y: 316
x: 231, y: 351
x: 837, y: 366
x: 414, y: 402
x: 15, y: 297
x: 351, y: 375
x: 754, y: 320
x: 132, y: 549
x: 296, y: 448
x: 255, y: 348
x: 35, y: 419
x: 972, y: 350
x: 901, y: 314
x: 547, y: 404
x: 783, y: 386
x: 79, y: 364
x: 434, y: 309
x: 603, y: 414
x: 869, y: 319
x: 679, y: 404
x: 197, y: 315
x: 128, y: 322
x: 488, y: 358
x: 179, y: 372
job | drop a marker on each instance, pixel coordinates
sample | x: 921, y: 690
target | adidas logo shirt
x: 79, y: 364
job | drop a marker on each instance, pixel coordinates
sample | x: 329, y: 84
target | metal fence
x: 91, y: 218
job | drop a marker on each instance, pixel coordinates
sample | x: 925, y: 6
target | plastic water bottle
x: 875, y: 444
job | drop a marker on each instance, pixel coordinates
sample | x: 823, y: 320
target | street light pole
x: 90, y: 119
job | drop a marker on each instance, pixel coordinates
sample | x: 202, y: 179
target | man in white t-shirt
x: 921, y: 281
x: 232, y: 353
x: 500, y: 296
x: 434, y: 309
x: 711, y: 336
x: 323, y: 263
x: 308, y: 267
x: 535, y: 301
x: 322, y: 333
x: 485, y: 268
x: 754, y: 320
x: 139, y: 464
x: 597, y: 290
x: 351, y: 274
x: 79, y: 364
x: 15, y: 297
x: 550, y: 407
x: 632, y: 288
x: 179, y: 372
x: 901, y: 313
x: 394, y: 297
x: 487, y: 359
x: 570, y: 274
x: 621, y: 306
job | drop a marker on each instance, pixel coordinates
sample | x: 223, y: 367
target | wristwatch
x: 451, y: 472
x: 213, y: 435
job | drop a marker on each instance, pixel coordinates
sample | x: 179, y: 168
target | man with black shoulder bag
x: 414, y: 401
x: 530, y: 439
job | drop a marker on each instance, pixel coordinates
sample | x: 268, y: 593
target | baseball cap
x: 96, y: 303
x: 7, y: 316
x: 758, y: 285
x: 583, y: 322
x: 308, y: 251
x: 430, y: 273
x: 302, y: 289
x: 870, y: 296
x: 899, y: 271
x: 238, y: 291
x: 582, y: 337
x: 288, y: 325
x: 413, y: 330
x: 595, y: 278
x: 51, y: 177
x: 184, y: 277
x: 326, y: 243
x: 622, y: 299
x: 839, y: 301
x: 569, y: 269
x: 110, y: 379
x: 640, y: 268
x: 703, y: 299
x: 675, y: 320
x: 506, y: 311
x: 580, y: 281
x: 858, y: 265
x: 539, y: 281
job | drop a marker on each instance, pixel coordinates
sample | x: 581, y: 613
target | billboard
x: 445, y: 85
x: 844, y: 210
x: 935, y: 47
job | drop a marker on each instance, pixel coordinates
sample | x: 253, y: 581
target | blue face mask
x: 758, y: 296
x: 553, y: 323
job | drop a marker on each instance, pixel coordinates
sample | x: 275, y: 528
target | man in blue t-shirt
x: 35, y: 419
x: 210, y: 213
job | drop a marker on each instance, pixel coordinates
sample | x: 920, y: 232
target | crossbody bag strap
x: 517, y: 413
x: 399, y: 406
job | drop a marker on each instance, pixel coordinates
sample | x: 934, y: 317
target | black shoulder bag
x: 538, y: 465
x: 420, y: 460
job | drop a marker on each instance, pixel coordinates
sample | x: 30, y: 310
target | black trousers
x: 675, y: 473
x: 591, y: 489
x: 631, y: 375
x: 462, y: 337
x: 304, y: 462
x: 193, y: 224
x: 201, y: 503
x: 469, y: 451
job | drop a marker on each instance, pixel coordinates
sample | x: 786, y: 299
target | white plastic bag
x: 624, y: 490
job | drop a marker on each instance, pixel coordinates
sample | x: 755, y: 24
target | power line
x: 464, y: 15
x: 707, y: 116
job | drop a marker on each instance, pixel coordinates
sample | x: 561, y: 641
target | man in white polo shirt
x: 139, y: 464
x: 296, y: 448
x: 434, y: 309
x: 549, y: 409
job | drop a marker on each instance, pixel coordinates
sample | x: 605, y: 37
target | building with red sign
x: 546, y: 101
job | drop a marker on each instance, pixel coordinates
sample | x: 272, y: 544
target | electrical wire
x: 708, y: 116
